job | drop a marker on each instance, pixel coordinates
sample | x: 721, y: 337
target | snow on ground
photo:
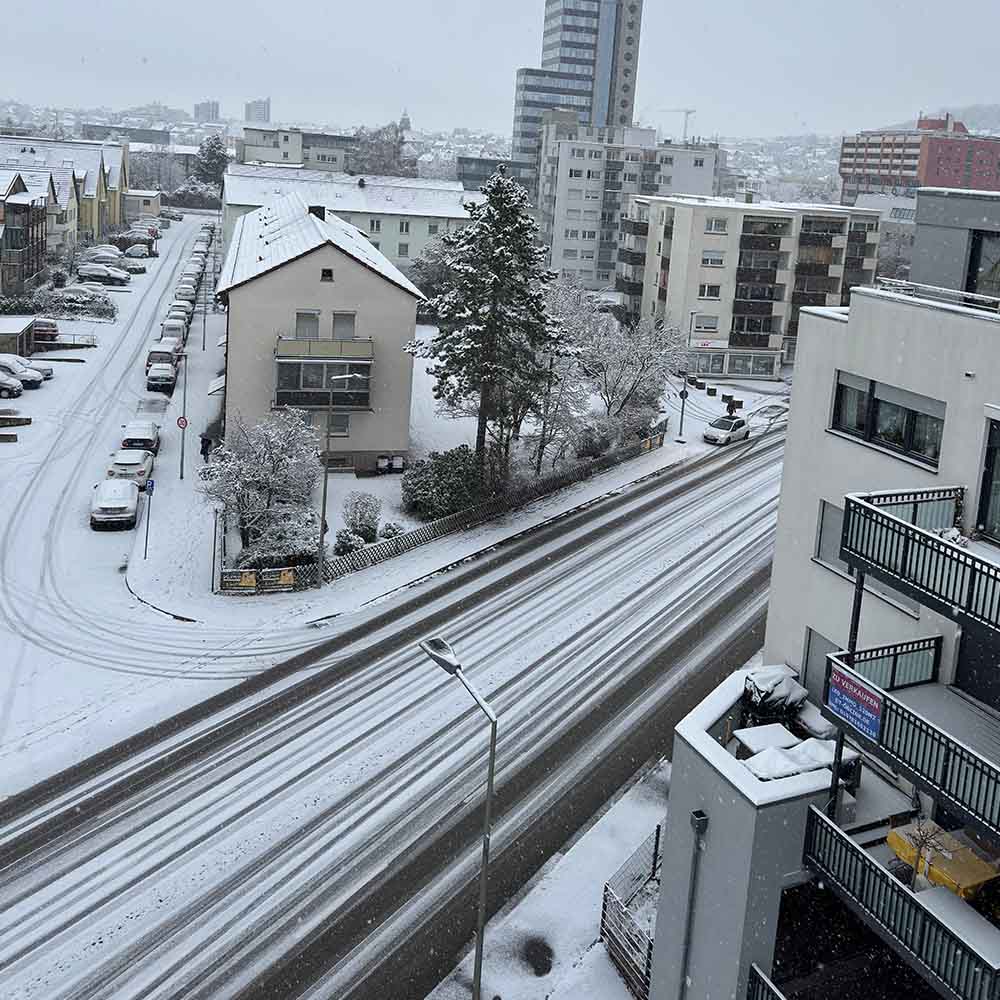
x: 386, y: 488
x: 429, y: 430
x: 562, y: 910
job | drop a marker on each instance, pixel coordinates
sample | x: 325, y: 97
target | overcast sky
x: 750, y: 69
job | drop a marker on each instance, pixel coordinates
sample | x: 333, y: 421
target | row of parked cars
x: 18, y: 373
x: 163, y: 357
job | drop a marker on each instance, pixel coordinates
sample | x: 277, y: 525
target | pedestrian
x: 206, y: 446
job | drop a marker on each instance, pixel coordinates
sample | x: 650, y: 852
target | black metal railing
x: 896, y: 666
x: 953, y: 774
x: 815, y: 239
x: 808, y: 298
x: 771, y: 243
x: 628, y: 287
x: 759, y: 987
x: 887, y: 535
x: 756, y: 275
x: 635, y: 227
x: 634, y: 257
x: 940, y: 953
x: 810, y: 267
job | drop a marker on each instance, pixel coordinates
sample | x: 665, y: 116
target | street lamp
x: 440, y: 651
x: 326, y: 478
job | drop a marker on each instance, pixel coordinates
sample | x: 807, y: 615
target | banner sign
x: 859, y: 705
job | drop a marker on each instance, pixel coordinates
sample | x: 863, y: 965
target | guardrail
x: 759, y: 987
x: 857, y: 878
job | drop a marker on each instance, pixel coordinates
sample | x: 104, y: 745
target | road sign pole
x: 150, y: 484
x: 684, y: 395
x: 204, y: 317
x: 183, y: 416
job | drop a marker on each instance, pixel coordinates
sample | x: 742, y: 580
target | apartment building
x: 888, y: 617
x: 23, y: 224
x: 206, y: 111
x: 63, y: 204
x: 586, y: 173
x: 590, y: 62
x: 475, y: 171
x: 294, y: 147
x: 939, y: 152
x: 400, y: 215
x: 258, y: 111
x: 317, y: 320
x: 734, y: 274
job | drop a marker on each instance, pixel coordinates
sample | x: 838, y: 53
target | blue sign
x: 150, y: 486
x: 859, y: 705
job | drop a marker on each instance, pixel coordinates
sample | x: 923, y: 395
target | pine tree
x: 495, y: 336
x: 212, y: 159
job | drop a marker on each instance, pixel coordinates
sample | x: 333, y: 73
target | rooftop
x: 787, y: 208
x: 284, y: 230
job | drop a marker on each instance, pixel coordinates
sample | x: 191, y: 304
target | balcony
x: 935, y: 931
x: 759, y: 987
x: 635, y: 227
x: 854, y: 264
x: 614, y: 164
x: 808, y: 298
x: 756, y: 276
x: 891, y: 535
x: 811, y: 268
x: 648, y: 188
x: 770, y: 243
x: 627, y: 286
x: 612, y: 185
x: 634, y: 257
x: 753, y: 307
x: 309, y: 399
x: 816, y: 239
x: 291, y: 347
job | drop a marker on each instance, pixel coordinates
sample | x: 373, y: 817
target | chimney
x: 319, y: 211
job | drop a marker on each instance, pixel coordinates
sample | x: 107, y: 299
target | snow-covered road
x: 211, y: 870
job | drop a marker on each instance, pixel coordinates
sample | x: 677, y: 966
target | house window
x: 145, y: 202
x: 740, y: 364
x: 586, y: 255
x: 307, y: 325
x: 699, y: 161
x: 705, y: 323
x: 667, y: 161
x: 404, y: 250
x: 340, y: 424
x: 374, y: 225
x: 592, y: 196
x: 709, y: 291
x: 570, y: 254
x: 343, y: 326
x: 571, y: 234
x: 284, y: 154
x: 576, y: 173
x: 284, y: 138
x: 432, y: 229
x: 594, y: 175
x: 709, y: 364
x: 572, y: 213
x: 588, y: 234
x: 885, y: 415
x: 404, y: 226
x: 322, y: 384
x: 631, y: 177
x: 326, y: 274
x: 577, y: 153
x: 716, y: 225
x: 713, y: 258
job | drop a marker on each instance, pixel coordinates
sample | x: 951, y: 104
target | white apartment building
x: 890, y: 621
x: 295, y: 147
x: 400, y: 215
x: 587, y: 173
x: 734, y: 274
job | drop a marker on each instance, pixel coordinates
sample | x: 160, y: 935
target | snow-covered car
x: 102, y: 248
x: 43, y: 369
x: 83, y: 290
x: 10, y: 387
x: 172, y: 214
x: 131, y: 463
x: 137, y: 251
x: 163, y: 222
x: 141, y: 434
x: 101, y: 257
x: 103, y: 274
x: 186, y: 291
x: 174, y: 328
x: 184, y: 306
x: 132, y: 266
x: 44, y: 329
x: 161, y: 378
x: 726, y: 430
x: 115, y: 504
x: 28, y: 377
x: 181, y: 316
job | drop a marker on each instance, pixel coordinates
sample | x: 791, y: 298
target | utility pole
x: 326, y: 482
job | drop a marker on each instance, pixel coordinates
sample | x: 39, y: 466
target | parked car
x: 102, y: 248
x: 103, y: 274
x: 141, y: 434
x: 10, y: 387
x: 115, y: 504
x: 83, y: 289
x: 181, y: 315
x: 726, y: 430
x: 44, y: 329
x: 132, y: 266
x: 43, y: 369
x: 164, y: 352
x: 131, y: 463
x: 161, y: 378
x: 102, y: 257
x: 137, y: 251
x: 163, y: 223
x: 174, y: 329
x: 172, y: 213
x: 186, y: 291
x: 184, y: 305
x: 28, y: 377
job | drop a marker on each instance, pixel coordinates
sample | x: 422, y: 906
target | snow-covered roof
x: 285, y: 229
x: 839, y: 313
x: 959, y: 192
x: 27, y: 197
x: 84, y: 158
x: 249, y: 184
x: 781, y: 207
x: 62, y: 180
x: 137, y: 193
x: 14, y: 324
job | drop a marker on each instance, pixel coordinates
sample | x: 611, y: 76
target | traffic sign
x: 182, y: 422
x: 150, y: 486
x: 683, y: 394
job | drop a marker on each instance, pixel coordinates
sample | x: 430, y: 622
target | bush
x: 442, y: 483
x: 193, y: 194
x: 59, y: 277
x: 595, y: 438
x: 391, y: 530
x: 52, y: 302
x: 362, y: 512
x: 289, y: 539
x: 347, y: 542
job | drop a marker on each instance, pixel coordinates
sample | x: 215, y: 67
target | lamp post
x: 440, y: 651
x: 694, y: 312
x: 326, y: 477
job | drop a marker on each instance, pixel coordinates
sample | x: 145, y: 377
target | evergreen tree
x: 212, y: 159
x: 495, y: 336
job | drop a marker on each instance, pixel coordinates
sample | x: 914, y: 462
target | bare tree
x: 925, y: 836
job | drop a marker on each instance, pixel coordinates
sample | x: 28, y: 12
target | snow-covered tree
x: 289, y: 539
x: 495, y: 335
x: 259, y: 472
x: 362, y: 513
x: 347, y: 542
x: 212, y: 159
x: 380, y: 151
x: 157, y: 170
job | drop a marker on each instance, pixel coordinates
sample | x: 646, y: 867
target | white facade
x: 294, y: 147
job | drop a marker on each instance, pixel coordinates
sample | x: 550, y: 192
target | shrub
x: 59, y: 277
x: 595, y: 438
x: 347, y: 542
x: 362, y: 512
x: 442, y: 483
x: 194, y: 194
x: 391, y: 530
x: 289, y: 539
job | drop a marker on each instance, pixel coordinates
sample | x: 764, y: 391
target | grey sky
x: 750, y: 69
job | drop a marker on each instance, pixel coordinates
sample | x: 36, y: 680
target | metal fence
x: 759, y: 987
x: 302, y: 577
x: 628, y: 945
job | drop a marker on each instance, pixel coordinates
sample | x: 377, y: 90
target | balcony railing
x: 753, y: 307
x: 324, y: 398
x: 953, y: 774
x: 759, y: 987
x: 809, y: 267
x: 941, y: 954
x: 292, y: 347
x: 808, y: 298
x: 635, y: 227
x: 756, y: 275
x: 770, y: 243
x: 891, y: 536
x: 628, y: 287
x: 634, y: 257
x: 816, y: 239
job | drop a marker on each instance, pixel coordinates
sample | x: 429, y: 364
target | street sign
x: 182, y: 422
x: 150, y: 486
x: 683, y: 394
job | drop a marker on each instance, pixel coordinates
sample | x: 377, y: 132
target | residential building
x: 62, y: 207
x: 939, y: 152
x: 475, y: 171
x: 586, y: 175
x: 889, y: 617
x: 293, y: 147
x: 258, y: 111
x: 897, y: 232
x: 957, y: 241
x: 139, y: 202
x: 207, y: 111
x: 734, y: 274
x: 126, y: 133
x: 23, y: 223
x: 400, y: 215
x: 311, y: 302
x: 590, y: 61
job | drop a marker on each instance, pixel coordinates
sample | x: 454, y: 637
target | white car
x: 102, y: 274
x: 188, y: 292
x: 138, y: 251
x: 115, y: 504
x: 141, y: 434
x: 10, y: 387
x: 161, y: 377
x: 28, y: 377
x: 44, y: 370
x: 131, y: 463
x: 183, y: 305
x: 726, y: 430
x: 103, y: 248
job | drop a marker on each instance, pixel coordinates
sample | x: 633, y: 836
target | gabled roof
x: 285, y: 230
x: 87, y: 159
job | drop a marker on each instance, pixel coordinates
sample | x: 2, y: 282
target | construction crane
x: 686, y: 112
